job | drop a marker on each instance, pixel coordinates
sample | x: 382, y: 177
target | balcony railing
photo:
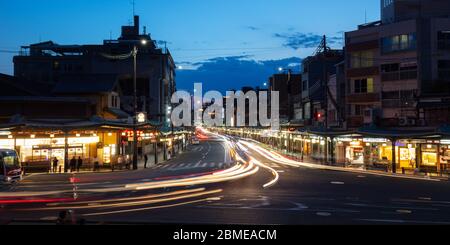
x: 398, y: 76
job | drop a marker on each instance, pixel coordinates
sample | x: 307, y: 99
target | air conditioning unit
x: 403, y: 121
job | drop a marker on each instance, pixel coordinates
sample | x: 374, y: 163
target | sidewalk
x: 311, y: 163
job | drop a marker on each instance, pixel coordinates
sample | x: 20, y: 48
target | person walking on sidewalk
x: 79, y: 164
x: 55, y: 165
x: 145, y: 160
x: 73, y: 164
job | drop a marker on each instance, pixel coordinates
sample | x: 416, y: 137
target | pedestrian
x: 96, y: 164
x: 73, y: 164
x: 145, y: 160
x: 55, y: 165
x: 119, y: 162
x: 79, y: 164
x: 128, y: 162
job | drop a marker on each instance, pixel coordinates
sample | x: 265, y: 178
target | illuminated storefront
x: 38, y: 152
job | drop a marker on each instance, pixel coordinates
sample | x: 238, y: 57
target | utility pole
x: 135, y: 138
x: 325, y: 79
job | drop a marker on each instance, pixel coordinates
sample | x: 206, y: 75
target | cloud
x: 232, y: 72
x: 253, y: 28
x: 299, y: 40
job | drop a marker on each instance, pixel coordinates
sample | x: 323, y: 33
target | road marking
x: 425, y: 198
x: 323, y: 214
x: 400, y: 211
x: 361, y: 176
x: 383, y: 220
x: 337, y: 183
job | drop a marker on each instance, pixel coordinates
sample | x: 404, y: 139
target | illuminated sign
x: 141, y: 118
x: 374, y: 140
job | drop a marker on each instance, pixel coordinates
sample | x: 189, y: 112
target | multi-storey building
x: 288, y: 85
x: 397, y: 68
x: 51, y: 63
x: 316, y: 71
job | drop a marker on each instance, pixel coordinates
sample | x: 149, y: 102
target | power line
x: 9, y: 51
x: 225, y: 49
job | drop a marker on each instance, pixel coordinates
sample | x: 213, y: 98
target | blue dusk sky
x: 223, y: 43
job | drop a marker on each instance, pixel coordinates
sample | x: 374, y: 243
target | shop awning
x: 329, y: 132
x: 71, y: 125
x: 374, y: 131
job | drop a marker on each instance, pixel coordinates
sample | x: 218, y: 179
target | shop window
x: 429, y: 155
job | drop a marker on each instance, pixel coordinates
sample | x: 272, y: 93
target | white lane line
x: 323, y: 214
x: 383, y: 220
x: 337, y: 183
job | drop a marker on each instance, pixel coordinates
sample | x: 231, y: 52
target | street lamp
x: 135, y: 138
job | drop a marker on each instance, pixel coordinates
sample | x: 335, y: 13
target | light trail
x: 274, y: 172
x: 135, y: 198
x: 130, y: 204
x: 153, y: 208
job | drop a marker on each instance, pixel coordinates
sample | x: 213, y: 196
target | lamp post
x: 135, y: 107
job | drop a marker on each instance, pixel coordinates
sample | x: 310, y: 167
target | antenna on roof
x: 365, y: 16
x: 133, y: 2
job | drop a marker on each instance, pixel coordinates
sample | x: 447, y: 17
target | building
x: 288, y: 85
x: 316, y: 71
x: 397, y: 68
x: 336, y: 100
x: 50, y: 63
x: 399, y: 10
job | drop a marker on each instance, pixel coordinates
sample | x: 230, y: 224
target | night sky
x: 242, y: 41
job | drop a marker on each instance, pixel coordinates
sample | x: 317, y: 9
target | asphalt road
x: 299, y: 196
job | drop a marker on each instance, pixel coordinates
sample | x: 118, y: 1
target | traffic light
x: 320, y: 116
